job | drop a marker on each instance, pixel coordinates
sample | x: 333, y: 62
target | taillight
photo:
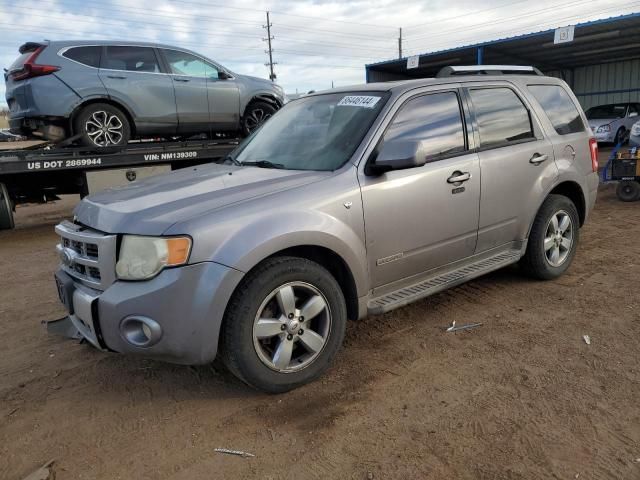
x: 31, y: 69
x: 593, y: 148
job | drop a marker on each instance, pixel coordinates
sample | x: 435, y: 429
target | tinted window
x: 501, y: 116
x: 182, y: 63
x: 605, y: 112
x: 86, y: 55
x: 433, y: 119
x: 558, y: 106
x: 135, y: 59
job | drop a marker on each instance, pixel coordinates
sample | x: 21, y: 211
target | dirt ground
x: 522, y: 397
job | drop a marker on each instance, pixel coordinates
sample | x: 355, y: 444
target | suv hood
x: 151, y: 206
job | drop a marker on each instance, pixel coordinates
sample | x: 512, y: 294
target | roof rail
x: 488, y: 70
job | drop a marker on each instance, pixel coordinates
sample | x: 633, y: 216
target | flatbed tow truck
x: 38, y: 174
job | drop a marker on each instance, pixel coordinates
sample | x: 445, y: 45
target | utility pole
x: 400, y: 44
x: 271, y: 63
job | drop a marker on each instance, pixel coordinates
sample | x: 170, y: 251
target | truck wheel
x: 6, y: 209
x: 553, y: 239
x: 628, y: 190
x: 255, y: 115
x: 283, y: 325
x: 101, y: 125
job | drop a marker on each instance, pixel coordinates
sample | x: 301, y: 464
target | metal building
x: 600, y: 60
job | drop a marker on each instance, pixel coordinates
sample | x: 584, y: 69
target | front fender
x: 245, y: 247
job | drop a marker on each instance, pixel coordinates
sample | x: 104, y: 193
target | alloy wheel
x: 255, y: 118
x: 104, y: 129
x: 291, y: 327
x: 558, y: 239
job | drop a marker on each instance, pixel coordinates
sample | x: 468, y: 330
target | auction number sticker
x: 359, y: 101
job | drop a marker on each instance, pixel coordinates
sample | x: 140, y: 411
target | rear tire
x: 620, y: 136
x: 255, y: 115
x: 553, y: 239
x: 102, y: 125
x: 628, y: 190
x: 6, y: 209
x: 266, y: 341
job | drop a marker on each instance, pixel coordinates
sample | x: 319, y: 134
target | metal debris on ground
x: 234, y: 452
x: 468, y: 326
x: 45, y: 472
x: 587, y: 339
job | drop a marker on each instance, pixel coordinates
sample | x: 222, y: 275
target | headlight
x: 635, y: 130
x: 144, y: 257
x: 604, y: 128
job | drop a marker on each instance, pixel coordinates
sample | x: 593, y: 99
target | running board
x: 407, y: 295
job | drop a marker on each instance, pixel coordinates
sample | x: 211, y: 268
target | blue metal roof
x: 509, y: 39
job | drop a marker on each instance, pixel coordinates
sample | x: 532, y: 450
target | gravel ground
x: 521, y: 397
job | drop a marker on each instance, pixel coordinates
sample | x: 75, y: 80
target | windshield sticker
x: 359, y: 101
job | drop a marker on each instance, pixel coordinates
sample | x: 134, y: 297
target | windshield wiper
x: 263, y: 164
x: 232, y: 159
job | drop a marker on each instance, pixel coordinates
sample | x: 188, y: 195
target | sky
x: 316, y: 43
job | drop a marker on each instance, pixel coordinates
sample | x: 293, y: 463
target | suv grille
x: 87, y: 255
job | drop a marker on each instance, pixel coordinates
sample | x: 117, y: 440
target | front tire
x: 102, y: 125
x: 6, y: 209
x: 620, y: 136
x: 255, y: 115
x: 284, y: 324
x: 553, y: 239
x: 628, y: 190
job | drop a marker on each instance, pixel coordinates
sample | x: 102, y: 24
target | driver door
x: 416, y: 219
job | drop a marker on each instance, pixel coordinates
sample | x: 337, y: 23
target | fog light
x: 141, y: 331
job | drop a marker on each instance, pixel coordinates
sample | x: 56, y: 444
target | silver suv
x: 349, y: 202
x: 108, y: 92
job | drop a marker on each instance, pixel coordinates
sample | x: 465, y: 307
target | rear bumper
x: 185, y: 304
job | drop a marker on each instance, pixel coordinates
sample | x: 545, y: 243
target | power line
x: 541, y: 26
x: 457, y: 17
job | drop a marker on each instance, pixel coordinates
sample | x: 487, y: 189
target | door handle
x: 180, y: 79
x: 120, y: 77
x: 459, y: 177
x: 537, y: 159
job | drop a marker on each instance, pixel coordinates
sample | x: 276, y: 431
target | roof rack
x: 451, y: 71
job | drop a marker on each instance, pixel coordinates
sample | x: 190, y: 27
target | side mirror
x: 398, y: 155
x: 222, y: 75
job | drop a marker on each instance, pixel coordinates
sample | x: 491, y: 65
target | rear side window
x: 89, y: 55
x: 502, y: 117
x: 558, y: 106
x: 134, y: 59
x: 435, y: 120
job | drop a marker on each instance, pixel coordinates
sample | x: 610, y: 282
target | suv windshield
x: 606, y: 111
x: 320, y: 132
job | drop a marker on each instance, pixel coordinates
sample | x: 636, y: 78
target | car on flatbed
x: 349, y: 202
x: 106, y: 92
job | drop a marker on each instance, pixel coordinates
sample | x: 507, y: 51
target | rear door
x: 416, y: 219
x: 132, y: 76
x: 516, y: 162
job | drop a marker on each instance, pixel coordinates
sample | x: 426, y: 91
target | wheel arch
x: 327, y: 258
x: 573, y: 192
x: 269, y: 98
x: 109, y: 101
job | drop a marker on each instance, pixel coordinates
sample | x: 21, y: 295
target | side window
x: 502, y: 117
x: 133, y: 59
x: 558, y: 106
x: 182, y: 63
x: 89, y: 55
x: 434, y: 119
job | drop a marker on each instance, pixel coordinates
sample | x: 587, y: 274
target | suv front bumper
x: 186, y: 303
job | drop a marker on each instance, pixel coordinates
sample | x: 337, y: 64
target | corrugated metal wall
x: 607, y: 83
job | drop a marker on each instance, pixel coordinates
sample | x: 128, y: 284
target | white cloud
x: 311, y: 52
